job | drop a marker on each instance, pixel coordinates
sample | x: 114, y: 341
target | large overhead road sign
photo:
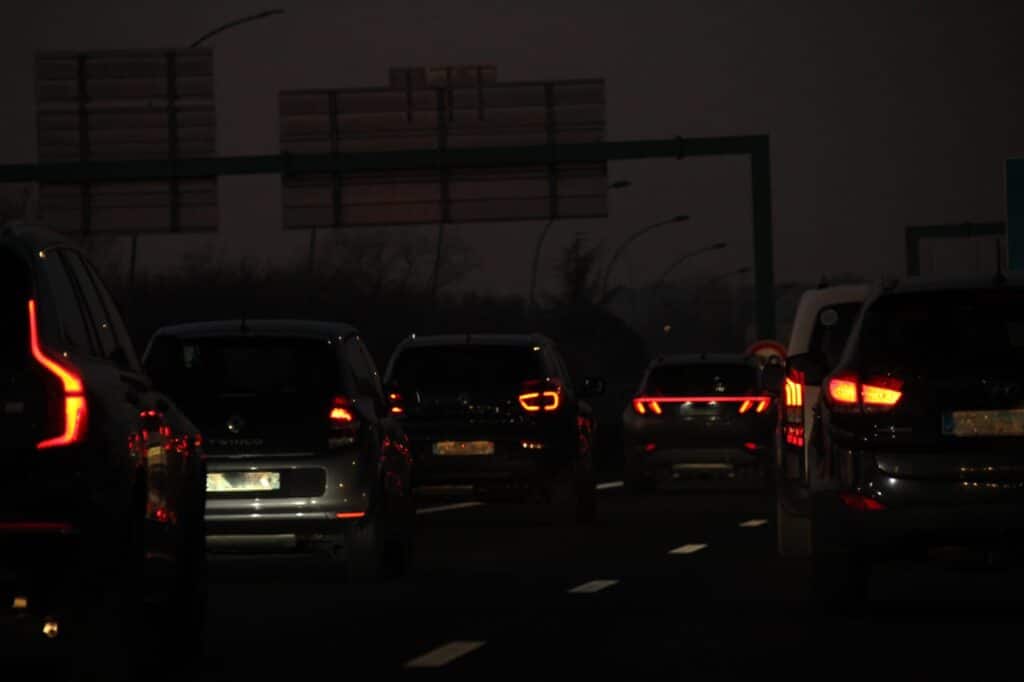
x: 756, y: 147
x: 447, y: 108
x: 138, y: 105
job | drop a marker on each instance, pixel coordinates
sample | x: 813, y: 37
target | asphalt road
x: 661, y: 586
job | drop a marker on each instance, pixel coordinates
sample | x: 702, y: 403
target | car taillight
x: 848, y: 392
x: 539, y: 398
x: 396, y: 403
x: 75, y: 411
x: 645, y: 405
x: 794, y: 393
x: 759, y: 405
x: 861, y: 502
x: 342, y: 412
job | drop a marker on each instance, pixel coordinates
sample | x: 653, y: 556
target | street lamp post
x: 236, y: 22
x: 629, y: 240
x: 660, y: 281
x: 620, y: 184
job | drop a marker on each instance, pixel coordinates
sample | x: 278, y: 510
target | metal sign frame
x: 915, y: 233
x: 755, y: 147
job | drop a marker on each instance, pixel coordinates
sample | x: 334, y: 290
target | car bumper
x: 677, y: 463
x: 318, y: 495
x: 920, y: 514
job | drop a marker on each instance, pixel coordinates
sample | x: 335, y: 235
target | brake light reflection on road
x: 861, y: 502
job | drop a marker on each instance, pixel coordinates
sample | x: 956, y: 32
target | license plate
x: 243, y: 481
x: 980, y: 423
x: 471, y: 447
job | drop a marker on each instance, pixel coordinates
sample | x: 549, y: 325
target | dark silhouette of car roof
x: 32, y: 238
x: 243, y: 327
x: 470, y: 339
x: 705, y: 359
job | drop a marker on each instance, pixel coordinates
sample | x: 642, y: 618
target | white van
x: 823, y: 322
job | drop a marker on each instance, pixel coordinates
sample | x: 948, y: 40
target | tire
x: 840, y: 582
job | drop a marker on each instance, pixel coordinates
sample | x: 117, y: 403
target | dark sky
x: 881, y: 114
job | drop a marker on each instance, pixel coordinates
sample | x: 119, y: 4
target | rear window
x: 15, y: 288
x: 700, y: 380
x: 832, y: 329
x: 965, y: 328
x: 243, y: 366
x: 449, y: 370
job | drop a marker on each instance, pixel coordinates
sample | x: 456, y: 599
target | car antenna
x: 1000, y: 277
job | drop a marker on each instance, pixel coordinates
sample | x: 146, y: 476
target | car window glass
x: 121, y: 335
x: 373, y: 376
x: 832, y: 328
x: 73, y: 323
x: 97, y: 314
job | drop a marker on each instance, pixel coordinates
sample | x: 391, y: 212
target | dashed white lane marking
x: 448, y: 507
x: 609, y: 485
x: 593, y: 586
x: 753, y: 523
x: 443, y: 655
x: 688, y: 549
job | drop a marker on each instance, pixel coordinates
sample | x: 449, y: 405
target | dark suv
x: 922, y: 428
x: 499, y: 412
x: 303, y: 450
x: 101, y: 497
x: 699, y: 415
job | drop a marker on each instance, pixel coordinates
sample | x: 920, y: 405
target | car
x: 822, y: 325
x: 101, y: 498
x: 498, y: 412
x: 698, y: 415
x: 303, y: 451
x: 922, y: 425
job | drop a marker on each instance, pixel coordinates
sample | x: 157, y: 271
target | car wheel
x: 840, y: 582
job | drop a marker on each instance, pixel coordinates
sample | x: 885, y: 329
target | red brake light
x: 535, y: 401
x: 342, y: 413
x: 843, y: 390
x: 879, y: 392
x: 75, y: 407
x: 882, y: 392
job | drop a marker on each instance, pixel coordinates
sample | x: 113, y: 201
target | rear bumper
x: 517, y: 459
x: 919, y: 513
x: 342, y: 485
x: 667, y: 463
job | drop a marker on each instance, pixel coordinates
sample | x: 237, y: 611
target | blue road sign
x: 1015, y: 214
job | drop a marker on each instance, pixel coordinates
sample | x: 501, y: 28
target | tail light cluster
x: 343, y: 422
x: 848, y: 393
x: 793, y: 414
x: 75, y: 408
x: 540, y: 396
x: 656, y: 405
x: 396, y: 403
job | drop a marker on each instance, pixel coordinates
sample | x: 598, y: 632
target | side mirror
x: 592, y: 386
x: 811, y: 365
x: 773, y: 377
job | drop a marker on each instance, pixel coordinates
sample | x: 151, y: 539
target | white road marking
x: 753, y: 523
x: 688, y: 549
x: 443, y: 655
x: 609, y: 485
x: 448, y: 507
x: 593, y: 586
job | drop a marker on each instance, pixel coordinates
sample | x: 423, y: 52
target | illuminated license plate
x: 980, y: 423
x: 243, y: 481
x: 458, y: 447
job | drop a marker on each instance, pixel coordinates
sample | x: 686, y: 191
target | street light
x: 629, y: 240
x: 725, y: 275
x: 618, y: 184
x: 237, y: 22
x: 660, y: 281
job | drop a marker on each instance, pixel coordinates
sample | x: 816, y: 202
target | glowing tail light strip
x: 75, y: 408
x: 653, y: 404
x: 535, y: 401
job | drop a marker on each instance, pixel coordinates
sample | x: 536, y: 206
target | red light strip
x: 350, y: 515
x: 700, y: 399
x: 74, y: 398
x: 36, y: 527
